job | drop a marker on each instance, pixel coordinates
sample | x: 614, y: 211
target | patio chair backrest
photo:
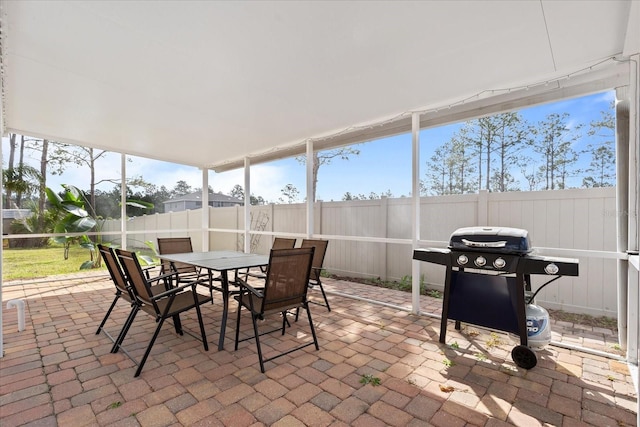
x: 287, y: 279
x: 321, y: 250
x: 283, y: 243
x: 136, y: 277
x: 175, y: 245
x: 114, y: 268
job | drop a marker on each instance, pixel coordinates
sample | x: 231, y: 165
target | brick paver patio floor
x: 377, y: 366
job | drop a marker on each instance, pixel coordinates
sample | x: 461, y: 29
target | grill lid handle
x: 472, y: 244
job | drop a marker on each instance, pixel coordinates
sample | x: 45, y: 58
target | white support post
x: 623, y: 150
x: 205, y: 210
x: 123, y: 201
x: 310, y: 193
x: 247, y: 205
x: 634, y: 154
x: 415, y: 212
x: 633, y: 213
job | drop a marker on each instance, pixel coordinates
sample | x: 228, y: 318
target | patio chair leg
x: 125, y: 329
x: 257, y: 334
x: 148, y: 350
x: 238, y: 325
x: 178, y: 324
x: 106, y: 316
x: 210, y: 274
x: 204, y: 335
x: 313, y: 330
x: 326, y: 301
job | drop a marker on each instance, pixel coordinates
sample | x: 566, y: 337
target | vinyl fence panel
x: 557, y: 221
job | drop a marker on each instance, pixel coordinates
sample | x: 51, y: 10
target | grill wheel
x: 524, y: 357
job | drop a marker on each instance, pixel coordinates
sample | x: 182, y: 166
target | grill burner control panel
x: 505, y: 263
x: 486, y: 261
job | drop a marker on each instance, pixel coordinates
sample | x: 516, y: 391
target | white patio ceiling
x: 208, y: 83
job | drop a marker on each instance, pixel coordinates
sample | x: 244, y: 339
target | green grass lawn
x: 42, y: 262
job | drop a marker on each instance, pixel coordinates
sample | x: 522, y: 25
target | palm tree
x: 22, y: 179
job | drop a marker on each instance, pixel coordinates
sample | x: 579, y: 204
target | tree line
x: 25, y: 186
x: 505, y: 152
x: 490, y: 153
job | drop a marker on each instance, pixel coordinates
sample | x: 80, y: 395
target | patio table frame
x: 221, y: 262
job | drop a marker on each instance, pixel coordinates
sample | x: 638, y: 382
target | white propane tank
x: 538, y: 327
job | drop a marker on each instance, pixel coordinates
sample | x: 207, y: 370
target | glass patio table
x: 222, y: 262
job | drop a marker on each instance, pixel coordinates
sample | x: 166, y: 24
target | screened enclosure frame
x: 623, y: 77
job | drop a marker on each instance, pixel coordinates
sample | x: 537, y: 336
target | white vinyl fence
x: 570, y: 223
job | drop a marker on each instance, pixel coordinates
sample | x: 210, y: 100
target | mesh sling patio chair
x: 316, y: 269
x: 285, y: 288
x: 186, y: 272
x: 163, y: 305
x: 278, y: 243
x: 177, y: 245
x: 283, y: 243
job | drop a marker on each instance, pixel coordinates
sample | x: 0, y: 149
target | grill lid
x: 491, y: 239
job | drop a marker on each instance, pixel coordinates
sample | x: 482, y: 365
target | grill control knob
x: 480, y: 261
x: 499, y: 263
x: 551, y: 269
x: 462, y: 259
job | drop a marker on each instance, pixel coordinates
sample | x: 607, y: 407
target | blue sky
x: 382, y: 165
x: 386, y: 164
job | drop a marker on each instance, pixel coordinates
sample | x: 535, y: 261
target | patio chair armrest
x: 244, y: 285
x: 148, y: 270
x: 178, y: 289
x: 162, y: 277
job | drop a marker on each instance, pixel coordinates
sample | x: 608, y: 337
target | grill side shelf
x: 433, y: 255
x: 540, y: 265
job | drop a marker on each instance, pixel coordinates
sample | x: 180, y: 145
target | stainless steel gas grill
x: 488, y: 281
